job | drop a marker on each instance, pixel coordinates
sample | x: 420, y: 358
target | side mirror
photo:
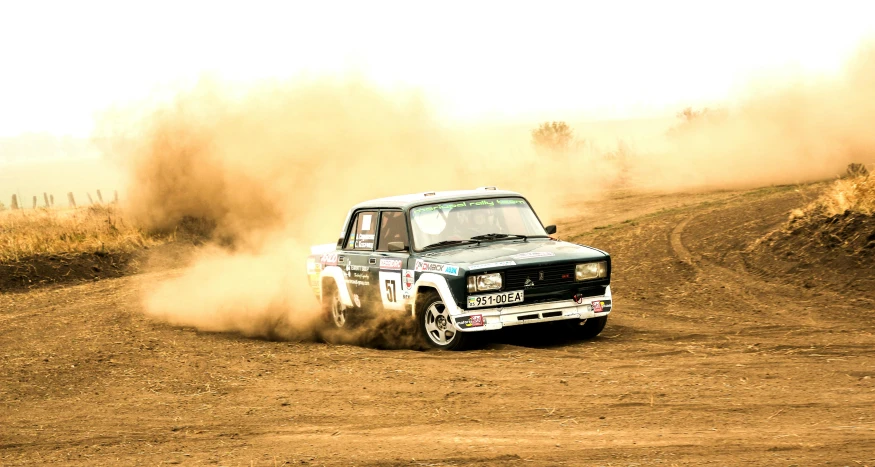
x: 551, y: 229
x: 396, y: 246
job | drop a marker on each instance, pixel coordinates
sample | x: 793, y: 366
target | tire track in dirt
x: 723, y: 235
x: 677, y: 243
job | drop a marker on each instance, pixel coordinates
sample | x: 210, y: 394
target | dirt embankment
x: 829, y: 242
x: 46, y: 247
x: 64, y: 269
x: 52, y: 269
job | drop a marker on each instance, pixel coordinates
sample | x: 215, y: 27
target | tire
x: 333, y: 312
x: 434, y: 325
x: 586, y: 329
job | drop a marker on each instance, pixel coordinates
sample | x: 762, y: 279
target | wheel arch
x: 335, y: 274
x: 428, y: 282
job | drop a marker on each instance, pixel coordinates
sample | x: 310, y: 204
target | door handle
x: 372, y: 260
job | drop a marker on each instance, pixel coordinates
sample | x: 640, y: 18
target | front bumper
x: 499, y: 317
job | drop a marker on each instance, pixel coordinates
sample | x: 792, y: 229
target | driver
x: 478, y: 223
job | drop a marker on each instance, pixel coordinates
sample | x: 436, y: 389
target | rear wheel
x: 435, y: 324
x: 586, y: 328
x: 334, y: 313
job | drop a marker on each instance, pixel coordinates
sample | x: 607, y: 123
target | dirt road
x: 708, y: 359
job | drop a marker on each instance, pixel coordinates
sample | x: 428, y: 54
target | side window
x: 393, y: 228
x: 350, y: 240
x: 362, y: 235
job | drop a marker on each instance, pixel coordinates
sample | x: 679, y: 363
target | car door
x: 359, y: 265
x: 393, y: 278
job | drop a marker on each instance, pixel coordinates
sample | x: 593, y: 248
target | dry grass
x: 94, y: 229
x: 855, y: 194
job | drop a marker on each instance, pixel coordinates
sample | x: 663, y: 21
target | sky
x: 63, y: 62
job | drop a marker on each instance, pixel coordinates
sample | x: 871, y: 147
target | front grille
x: 554, y: 274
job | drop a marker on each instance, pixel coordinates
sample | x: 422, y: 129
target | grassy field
x: 95, y: 229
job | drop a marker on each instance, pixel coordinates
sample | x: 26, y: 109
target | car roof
x: 428, y: 197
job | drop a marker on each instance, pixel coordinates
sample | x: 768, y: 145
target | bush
x: 553, y: 137
x: 690, y: 118
x: 857, y: 170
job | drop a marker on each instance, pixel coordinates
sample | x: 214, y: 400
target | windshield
x: 463, y: 220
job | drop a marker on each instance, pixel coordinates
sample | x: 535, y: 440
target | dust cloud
x: 794, y: 132
x: 276, y: 166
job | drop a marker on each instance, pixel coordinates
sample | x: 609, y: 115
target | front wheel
x: 435, y: 325
x: 587, y: 328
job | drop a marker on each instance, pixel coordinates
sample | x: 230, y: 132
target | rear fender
x: 439, y: 283
x: 337, y: 274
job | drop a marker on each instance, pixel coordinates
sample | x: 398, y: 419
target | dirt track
x: 708, y: 359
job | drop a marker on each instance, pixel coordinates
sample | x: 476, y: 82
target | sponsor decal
x: 492, y: 265
x: 425, y: 266
x: 464, y: 204
x: 329, y: 259
x: 389, y: 263
x: 597, y: 306
x: 472, y: 321
x: 529, y: 282
x: 312, y: 268
x: 358, y: 268
x: 366, y: 223
x: 439, y: 207
x: 510, y: 201
x: 407, y: 283
x: 533, y: 254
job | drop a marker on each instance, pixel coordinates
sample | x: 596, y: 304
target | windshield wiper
x: 502, y: 236
x: 448, y: 242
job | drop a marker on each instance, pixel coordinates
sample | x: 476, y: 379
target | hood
x: 513, y: 252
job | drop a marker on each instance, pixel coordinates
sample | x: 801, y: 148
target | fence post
x: 52, y: 199
x: 46, y: 198
x: 71, y: 199
x: 90, y: 200
x: 99, y: 197
x: 34, y: 201
x: 14, y: 202
x: 114, y: 196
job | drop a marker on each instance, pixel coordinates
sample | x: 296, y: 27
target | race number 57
x: 390, y: 290
x: 389, y: 284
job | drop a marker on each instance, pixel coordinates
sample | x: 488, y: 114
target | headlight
x: 484, y: 282
x: 588, y: 271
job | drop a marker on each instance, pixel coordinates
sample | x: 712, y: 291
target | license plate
x: 496, y: 299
